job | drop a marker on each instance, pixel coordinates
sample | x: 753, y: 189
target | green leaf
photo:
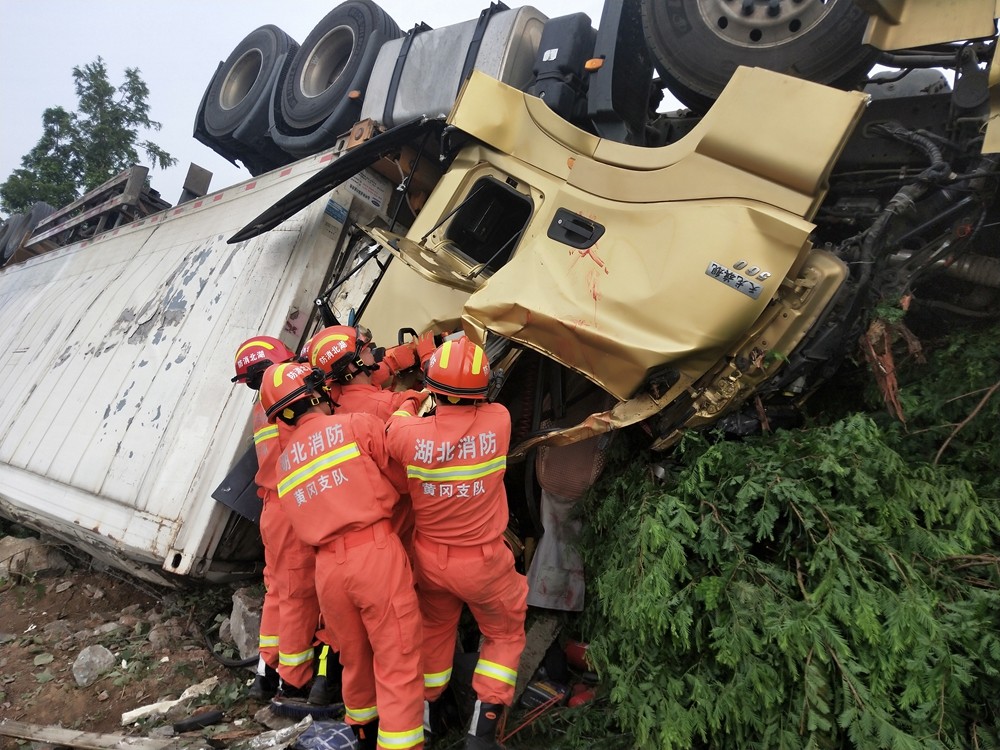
x: 78, y: 151
x: 817, y: 587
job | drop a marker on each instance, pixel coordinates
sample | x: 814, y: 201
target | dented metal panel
x: 683, y: 225
x: 895, y: 24
x: 118, y: 417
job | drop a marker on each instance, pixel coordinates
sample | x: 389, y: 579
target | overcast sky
x: 177, y: 46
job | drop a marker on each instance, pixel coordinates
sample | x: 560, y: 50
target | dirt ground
x: 163, y: 642
x: 44, y: 624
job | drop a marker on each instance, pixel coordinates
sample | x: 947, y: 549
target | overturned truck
x: 622, y: 266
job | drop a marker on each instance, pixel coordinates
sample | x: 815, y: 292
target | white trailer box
x: 117, y: 415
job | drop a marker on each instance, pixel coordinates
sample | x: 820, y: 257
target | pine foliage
x: 820, y: 588
x: 952, y: 405
x: 79, y: 151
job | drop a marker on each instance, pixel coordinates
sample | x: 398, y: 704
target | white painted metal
x: 117, y: 415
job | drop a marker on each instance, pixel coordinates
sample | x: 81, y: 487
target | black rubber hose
x: 231, y: 663
x: 199, y: 721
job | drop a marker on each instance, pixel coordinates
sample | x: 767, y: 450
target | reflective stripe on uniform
x: 496, y: 671
x: 268, y: 641
x: 265, y: 433
x: 293, y: 660
x: 324, y: 657
x: 456, y: 473
x: 361, y: 715
x: 409, y: 738
x: 317, y: 466
x: 438, y: 679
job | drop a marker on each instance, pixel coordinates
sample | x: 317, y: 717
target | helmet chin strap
x: 329, y: 399
x: 362, y: 367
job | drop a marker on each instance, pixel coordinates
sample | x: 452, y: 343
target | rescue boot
x: 326, y: 685
x: 433, y: 723
x: 367, y: 735
x: 265, y: 682
x: 483, y: 730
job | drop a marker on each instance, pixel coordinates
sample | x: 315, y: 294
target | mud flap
x: 238, y: 491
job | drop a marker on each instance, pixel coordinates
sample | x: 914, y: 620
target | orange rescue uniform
x: 290, y: 615
x: 455, y: 461
x: 364, y: 398
x: 338, y: 486
x: 370, y: 399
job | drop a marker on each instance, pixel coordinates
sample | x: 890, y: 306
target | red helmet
x: 257, y: 354
x: 333, y: 349
x: 286, y: 384
x: 458, y: 368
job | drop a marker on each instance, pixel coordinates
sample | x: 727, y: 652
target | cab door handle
x: 574, y: 230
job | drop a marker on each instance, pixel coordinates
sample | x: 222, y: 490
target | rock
x: 164, y: 636
x: 271, y: 720
x: 57, y: 630
x: 129, y: 621
x: 93, y: 592
x: 226, y: 631
x: 28, y: 557
x: 108, y: 627
x: 245, y: 624
x: 67, y: 644
x: 91, y: 663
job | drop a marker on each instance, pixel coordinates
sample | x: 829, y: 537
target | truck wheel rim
x: 241, y: 78
x: 762, y: 23
x: 327, y: 61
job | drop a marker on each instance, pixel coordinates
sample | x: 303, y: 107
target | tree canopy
x: 834, y: 586
x: 80, y: 150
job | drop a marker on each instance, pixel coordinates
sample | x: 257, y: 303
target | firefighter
x: 290, y: 615
x: 349, y: 361
x: 338, y: 487
x: 455, y: 459
x: 352, y: 364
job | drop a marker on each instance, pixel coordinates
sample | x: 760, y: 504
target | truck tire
x: 698, y: 45
x: 16, y: 226
x: 245, y: 78
x: 20, y: 227
x: 39, y: 211
x: 336, y: 58
x: 4, y: 225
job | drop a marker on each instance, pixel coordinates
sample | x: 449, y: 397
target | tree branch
x: 961, y: 425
